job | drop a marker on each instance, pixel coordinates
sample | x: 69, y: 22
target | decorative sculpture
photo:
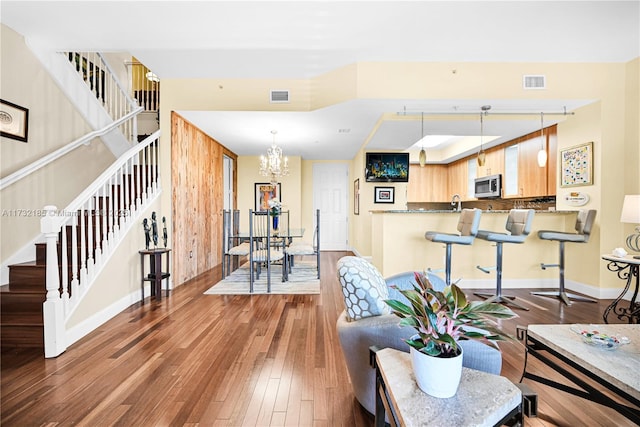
x: 164, y: 231
x: 147, y: 230
x: 154, y: 228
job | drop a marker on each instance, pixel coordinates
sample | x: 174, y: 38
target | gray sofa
x: 366, y: 322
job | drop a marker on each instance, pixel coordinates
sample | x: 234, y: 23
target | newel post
x: 52, y: 308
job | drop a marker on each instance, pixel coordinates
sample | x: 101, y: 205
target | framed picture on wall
x: 356, y: 197
x: 14, y: 121
x: 384, y: 194
x: 263, y: 193
x: 576, y: 165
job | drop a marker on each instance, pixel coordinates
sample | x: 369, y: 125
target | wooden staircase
x: 21, y: 317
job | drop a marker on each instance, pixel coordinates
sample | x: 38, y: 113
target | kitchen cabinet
x: 458, y: 181
x: 427, y: 184
x: 494, y: 163
x: 522, y: 175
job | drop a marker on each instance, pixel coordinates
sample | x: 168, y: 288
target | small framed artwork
x: 356, y: 197
x: 263, y: 193
x: 384, y: 194
x: 576, y: 165
x: 14, y: 121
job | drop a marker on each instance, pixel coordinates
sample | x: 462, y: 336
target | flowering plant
x: 274, y: 206
x: 441, y: 318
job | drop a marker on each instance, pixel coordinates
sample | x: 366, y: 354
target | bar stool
x: 468, y: 228
x: 519, y: 226
x: 584, y: 222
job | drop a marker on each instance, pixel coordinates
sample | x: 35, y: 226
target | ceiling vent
x: 279, y: 96
x: 534, y: 82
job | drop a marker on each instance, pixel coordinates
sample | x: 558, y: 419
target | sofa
x: 368, y: 321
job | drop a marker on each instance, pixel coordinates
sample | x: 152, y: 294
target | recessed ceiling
x: 303, y: 39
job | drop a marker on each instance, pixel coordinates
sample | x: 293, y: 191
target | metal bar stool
x: 584, y: 222
x: 519, y: 226
x: 468, y: 228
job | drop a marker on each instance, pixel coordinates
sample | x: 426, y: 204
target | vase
x: 275, y: 222
x: 437, y: 376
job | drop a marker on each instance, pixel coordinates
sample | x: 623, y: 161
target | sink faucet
x: 454, y: 199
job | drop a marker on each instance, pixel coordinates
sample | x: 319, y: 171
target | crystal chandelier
x: 273, y: 164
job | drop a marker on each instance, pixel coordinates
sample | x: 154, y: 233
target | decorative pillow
x: 363, y: 287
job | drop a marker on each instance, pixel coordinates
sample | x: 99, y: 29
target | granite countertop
x: 430, y: 211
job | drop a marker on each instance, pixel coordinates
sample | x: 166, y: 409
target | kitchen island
x: 398, y: 245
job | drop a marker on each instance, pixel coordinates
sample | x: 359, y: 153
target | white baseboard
x: 89, y: 325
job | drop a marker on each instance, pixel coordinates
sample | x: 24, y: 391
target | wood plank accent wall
x: 197, y: 201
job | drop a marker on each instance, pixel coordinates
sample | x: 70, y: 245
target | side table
x: 156, y: 273
x: 482, y: 399
x: 627, y: 268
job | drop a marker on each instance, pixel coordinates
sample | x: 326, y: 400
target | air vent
x: 533, y: 82
x: 279, y: 96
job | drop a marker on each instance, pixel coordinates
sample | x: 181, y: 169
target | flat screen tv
x: 386, y: 167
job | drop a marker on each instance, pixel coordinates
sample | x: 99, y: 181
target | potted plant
x: 441, y: 319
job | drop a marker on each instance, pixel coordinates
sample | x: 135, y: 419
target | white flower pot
x: 437, y: 376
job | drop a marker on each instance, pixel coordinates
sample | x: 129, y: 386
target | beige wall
x: 53, y: 123
x: 608, y: 122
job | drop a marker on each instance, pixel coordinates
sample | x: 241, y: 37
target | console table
x: 618, y: 370
x: 482, y: 399
x: 627, y: 268
x: 156, y: 273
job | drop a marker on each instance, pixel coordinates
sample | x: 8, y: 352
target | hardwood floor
x: 195, y: 359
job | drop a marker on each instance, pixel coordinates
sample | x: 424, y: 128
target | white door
x: 331, y: 196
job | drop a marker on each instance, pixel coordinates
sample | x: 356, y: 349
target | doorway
x: 331, y: 196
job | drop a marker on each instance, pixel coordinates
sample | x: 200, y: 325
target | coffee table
x: 618, y: 370
x: 482, y: 399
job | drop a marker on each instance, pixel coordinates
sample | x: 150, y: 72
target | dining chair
x: 301, y: 248
x: 262, y: 253
x: 232, y: 248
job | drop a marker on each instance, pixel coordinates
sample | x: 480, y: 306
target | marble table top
x: 620, y: 367
x: 627, y: 259
x: 482, y: 399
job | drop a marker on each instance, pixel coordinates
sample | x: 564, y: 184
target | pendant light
x: 482, y: 156
x: 542, y: 154
x: 423, y: 154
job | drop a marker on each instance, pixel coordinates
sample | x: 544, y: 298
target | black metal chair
x: 262, y: 252
x: 306, y: 248
x: 232, y: 248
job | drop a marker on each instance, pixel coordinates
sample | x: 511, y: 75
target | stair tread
x: 28, y: 264
x: 22, y: 319
x: 5, y: 289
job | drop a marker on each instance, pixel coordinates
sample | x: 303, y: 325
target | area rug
x: 302, y: 280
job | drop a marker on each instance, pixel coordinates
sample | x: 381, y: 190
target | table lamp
x: 631, y: 215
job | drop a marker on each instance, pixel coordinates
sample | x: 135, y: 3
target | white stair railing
x: 86, y: 232
x: 107, y: 88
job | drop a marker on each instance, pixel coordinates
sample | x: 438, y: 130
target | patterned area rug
x: 302, y: 280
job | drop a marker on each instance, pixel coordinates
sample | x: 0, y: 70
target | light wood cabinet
x: 526, y: 178
x: 427, y: 184
x: 494, y: 163
x: 532, y: 179
x: 458, y: 180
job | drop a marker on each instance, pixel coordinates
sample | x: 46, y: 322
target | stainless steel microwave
x: 488, y: 187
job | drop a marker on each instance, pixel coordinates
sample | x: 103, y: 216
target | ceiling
x: 304, y: 39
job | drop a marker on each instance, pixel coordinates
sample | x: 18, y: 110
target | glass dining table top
x: 290, y: 233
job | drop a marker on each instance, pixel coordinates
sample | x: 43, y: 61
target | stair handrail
x: 65, y: 293
x: 45, y: 160
x: 109, y: 172
x: 130, y: 100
